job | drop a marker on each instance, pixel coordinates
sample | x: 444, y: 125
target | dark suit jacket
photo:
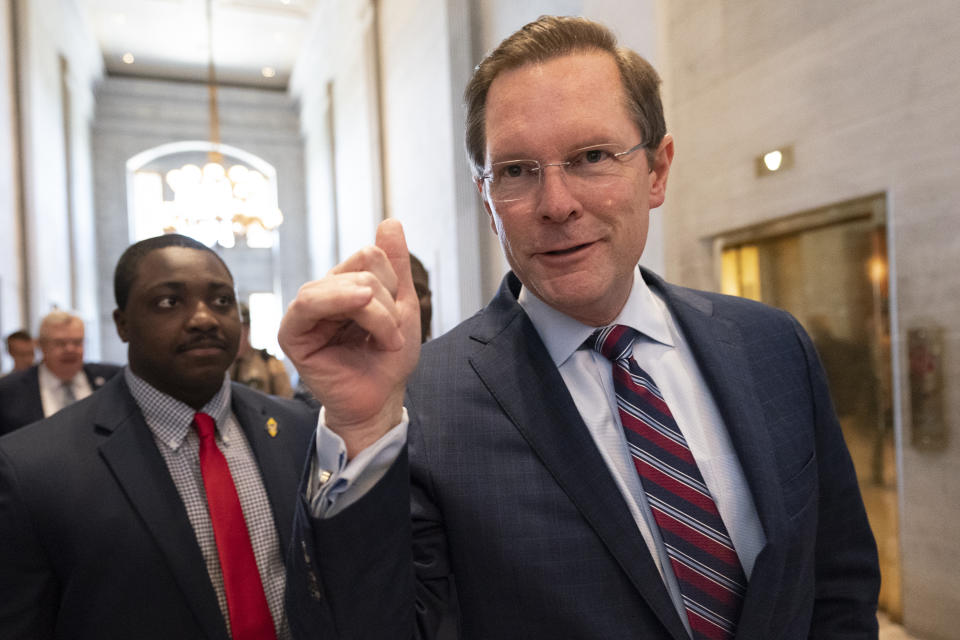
x: 94, y: 539
x: 511, y: 500
x: 20, y: 402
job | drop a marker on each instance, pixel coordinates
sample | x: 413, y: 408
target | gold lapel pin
x: 272, y: 427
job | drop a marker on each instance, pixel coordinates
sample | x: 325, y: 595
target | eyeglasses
x: 62, y: 343
x: 514, y: 181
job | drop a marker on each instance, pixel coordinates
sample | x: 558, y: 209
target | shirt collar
x: 563, y: 335
x: 49, y: 380
x: 169, y: 418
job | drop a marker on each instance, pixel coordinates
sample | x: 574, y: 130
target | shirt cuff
x: 334, y: 483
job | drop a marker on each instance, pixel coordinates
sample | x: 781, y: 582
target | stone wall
x: 866, y: 93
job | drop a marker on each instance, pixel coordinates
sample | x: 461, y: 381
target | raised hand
x: 354, y: 336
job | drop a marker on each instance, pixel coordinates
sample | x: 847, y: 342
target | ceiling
x: 168, y: 38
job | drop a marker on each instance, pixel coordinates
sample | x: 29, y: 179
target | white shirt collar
x: 49, y: 380
x: 563, y: 335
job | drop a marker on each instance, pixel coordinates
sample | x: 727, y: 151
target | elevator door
x: 829, y: 269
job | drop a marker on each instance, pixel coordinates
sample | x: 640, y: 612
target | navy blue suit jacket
x: 20, y: 402
x: 512, y: 502
x: 94, y: 538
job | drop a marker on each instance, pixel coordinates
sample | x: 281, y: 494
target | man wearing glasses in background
x: 61, y: 378
x: 597, y: 453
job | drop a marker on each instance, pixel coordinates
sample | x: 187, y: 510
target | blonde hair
x: 56, y: 318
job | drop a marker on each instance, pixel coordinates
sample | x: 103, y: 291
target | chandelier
x: 215, y: 204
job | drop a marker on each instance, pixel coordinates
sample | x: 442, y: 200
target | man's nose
x: 202, y: 317
x: 555, y: 201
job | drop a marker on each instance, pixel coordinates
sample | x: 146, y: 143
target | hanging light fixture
x: 214, y: 204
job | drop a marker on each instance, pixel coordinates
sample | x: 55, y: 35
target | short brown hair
x: 20, y: 334
x: 551, y: 37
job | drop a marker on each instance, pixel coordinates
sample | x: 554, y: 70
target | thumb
x: 391, y: 240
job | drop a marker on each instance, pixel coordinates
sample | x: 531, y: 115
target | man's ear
x: 120, y: 321
x: 662, y: 160
x: 486, y: 205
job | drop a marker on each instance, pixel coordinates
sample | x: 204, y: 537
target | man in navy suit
x: 517, y: 463
x: 105, y: 512
x: 61, y: 378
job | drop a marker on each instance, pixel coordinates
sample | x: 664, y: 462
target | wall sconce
x: 774, y: 161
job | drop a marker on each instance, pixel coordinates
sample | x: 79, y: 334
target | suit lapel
x: 532, y: 394
x: 96, y: 381
x: 717, y: 345
x: 280, y: 477
x: 31, y: 392
x: 131, y: 453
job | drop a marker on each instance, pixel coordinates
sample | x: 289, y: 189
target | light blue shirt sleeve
x: 334, y: 482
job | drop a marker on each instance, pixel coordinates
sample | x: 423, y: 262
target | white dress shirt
x: 52, y: 395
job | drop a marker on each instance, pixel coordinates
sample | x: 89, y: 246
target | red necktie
x: 249, y: 613
x: 704, y: 561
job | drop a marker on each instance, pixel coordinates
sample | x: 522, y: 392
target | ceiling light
x: 774, y: 161
x: 217, y: 205
x: 127, y: 58
x: 268, y: 72
x: 877, y: 269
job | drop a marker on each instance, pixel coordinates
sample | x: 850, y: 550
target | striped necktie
x: 701, y: 553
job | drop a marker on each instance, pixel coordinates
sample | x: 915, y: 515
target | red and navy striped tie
x: 707, y: 568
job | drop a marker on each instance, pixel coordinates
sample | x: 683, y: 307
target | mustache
x: 203, y: 342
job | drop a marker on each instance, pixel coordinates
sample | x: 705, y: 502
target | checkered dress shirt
x: 171, y: 423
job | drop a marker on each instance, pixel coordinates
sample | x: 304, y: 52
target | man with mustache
x: 160, y: 506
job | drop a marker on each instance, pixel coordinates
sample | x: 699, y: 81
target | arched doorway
x: 230, y: 205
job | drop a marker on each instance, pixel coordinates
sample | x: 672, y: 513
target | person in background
x: 60, y: 379
x: 596, y: 453
x: 160, y: 506
x: 421, y: 283
x: 22, y: 349
x: 256, y: 368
